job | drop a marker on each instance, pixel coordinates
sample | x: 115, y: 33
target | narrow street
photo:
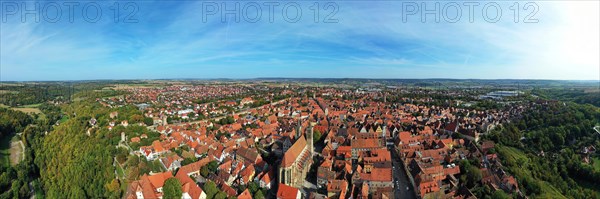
x: 401, y: 181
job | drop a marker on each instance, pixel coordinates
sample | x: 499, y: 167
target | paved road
x: 401, y: 180
x: 597, y: 129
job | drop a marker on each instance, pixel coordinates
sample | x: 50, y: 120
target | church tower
x: 298, y: 131
x: 309, y: 137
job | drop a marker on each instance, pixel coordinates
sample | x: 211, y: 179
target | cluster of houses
x: 357, y: 141
x: 180, y: 102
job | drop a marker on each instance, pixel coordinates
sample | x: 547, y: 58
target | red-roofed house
x: 245, y: 195
x: 287, y: 192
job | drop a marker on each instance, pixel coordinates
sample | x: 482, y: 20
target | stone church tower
x: 309, y: 137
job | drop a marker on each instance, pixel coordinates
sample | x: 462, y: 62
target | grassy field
x: 596, y: 161
x: 28, y: 110
x: 64, y: 119
x: 5, y: 150
x: 16, y: 152
x: 6, y: 147
x: 30, y: 106
x: 6, y: 91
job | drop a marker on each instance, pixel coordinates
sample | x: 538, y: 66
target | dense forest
x: 68, y: 153
x: 55, y: 155
x: 12, y: 121
x: 13, y: 179
x: 543, y: 149
x: 17, y: 95
x: 581, y: 96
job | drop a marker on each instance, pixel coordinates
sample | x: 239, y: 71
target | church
x: 297, y: 161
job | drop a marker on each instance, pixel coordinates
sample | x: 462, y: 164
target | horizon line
x: 299, y: 78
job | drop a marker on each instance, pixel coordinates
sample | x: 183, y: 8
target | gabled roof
x: 195, y: 166
x: 158, y: 180
x: 188, y: 185
x: 294, y: 152
x: 250, y: 155
x: 287, y: 192
x: 245, y: 195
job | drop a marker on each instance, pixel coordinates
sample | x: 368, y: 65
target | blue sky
x: 369, y: 40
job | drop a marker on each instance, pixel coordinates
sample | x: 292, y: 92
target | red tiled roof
x: 293, y: 152
x: 193, y: 167
x: 245, y: 195
x: 366, y: 143
x: 378, y: 174
x: 287, y: 192
x: 158, y: 180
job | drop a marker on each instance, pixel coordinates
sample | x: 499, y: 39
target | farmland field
x: 31, y: 108
x: 7, y: 91
x: 28, y: 110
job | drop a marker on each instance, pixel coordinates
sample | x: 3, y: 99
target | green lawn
x: 31, y: 106
x: 64, y: 119
x: 596, y: 161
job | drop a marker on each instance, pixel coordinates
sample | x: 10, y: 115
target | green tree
x: 148, y: 121
x: 253, y: 187
x: 211, y: 189
x: 473, y: 175
x: 499, y: 194
x: 213, y: 166
x: 136, y: 118
x: 121, y: 158
x: 172, y: 189
x: 133, y: 160
x: 259, y: 195
x: 316, y: 135
x: 221, y: 195
x: 187, y: 161
x: 204, y: 171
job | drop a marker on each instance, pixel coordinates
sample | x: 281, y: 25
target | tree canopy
x: 172, y: 189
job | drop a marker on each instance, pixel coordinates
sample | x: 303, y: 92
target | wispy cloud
x: 171, y: 40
